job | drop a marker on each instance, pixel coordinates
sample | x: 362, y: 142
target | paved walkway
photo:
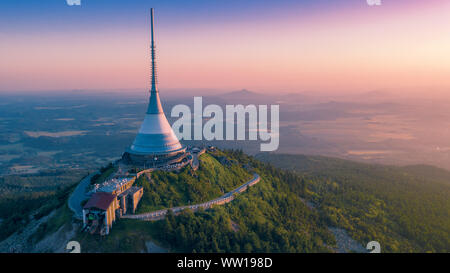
x: 195, y: 162
x: 226, y: 198
x: 79, y: 195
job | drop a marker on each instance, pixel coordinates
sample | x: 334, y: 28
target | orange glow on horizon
x: 333, y: 52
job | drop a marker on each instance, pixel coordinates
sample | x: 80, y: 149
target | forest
x: 292, y: 209
x: 32, y: 196
x: 406, y: 209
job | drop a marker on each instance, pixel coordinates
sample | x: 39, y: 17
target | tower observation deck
x: 155, y: 143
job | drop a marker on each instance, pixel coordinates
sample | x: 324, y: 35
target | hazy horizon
x: 374, y: 127
x: 169, y: 93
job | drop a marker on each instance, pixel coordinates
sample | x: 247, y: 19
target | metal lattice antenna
x: 152, y: 47
x: 154, y: 106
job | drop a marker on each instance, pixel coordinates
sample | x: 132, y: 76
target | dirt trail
x: 17, y: 242
x: 56, y: 242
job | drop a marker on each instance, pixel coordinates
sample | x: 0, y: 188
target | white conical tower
x: 156, y: 139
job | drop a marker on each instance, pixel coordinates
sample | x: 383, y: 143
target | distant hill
x: 248, y: 96
x: 243, y: 96
x: 244, y: 93
x: 406, y: 209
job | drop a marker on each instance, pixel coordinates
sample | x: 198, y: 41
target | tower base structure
x: 161, y: 160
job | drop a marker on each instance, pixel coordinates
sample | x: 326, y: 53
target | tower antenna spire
x: 154, y: 106
x: 154, y: 79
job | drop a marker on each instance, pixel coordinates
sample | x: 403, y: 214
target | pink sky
x: 358, y: 49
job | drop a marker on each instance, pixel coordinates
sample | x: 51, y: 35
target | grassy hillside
x: 126, y: 236
x: 211, y: 180
x: 266, y: 218
x: 406, y: 209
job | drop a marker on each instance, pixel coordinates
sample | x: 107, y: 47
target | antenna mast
x: 154, y: 79
x: 154, y: 105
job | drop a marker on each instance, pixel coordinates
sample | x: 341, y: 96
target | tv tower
x: 155, y: 143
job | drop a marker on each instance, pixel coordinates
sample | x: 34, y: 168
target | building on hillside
x: 115, y: 185
x: 99, y: 213
x: 109, y: 202
x: 129, y: 199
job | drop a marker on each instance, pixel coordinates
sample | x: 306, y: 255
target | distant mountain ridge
x: 240, y: 93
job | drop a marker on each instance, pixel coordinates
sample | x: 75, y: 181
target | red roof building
x: 99, y: 213
x: 100, y: 200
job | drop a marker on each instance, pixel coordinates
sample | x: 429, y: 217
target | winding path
x: 79, y: 195
x: 224, y: 199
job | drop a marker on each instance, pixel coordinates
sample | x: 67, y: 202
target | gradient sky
x: 265, y: 46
